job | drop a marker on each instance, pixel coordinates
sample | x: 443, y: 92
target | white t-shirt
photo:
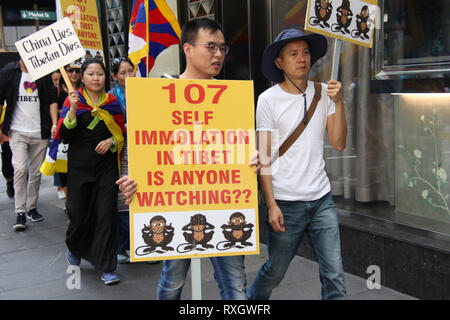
x: 299, y: 175
x: 27, y: 116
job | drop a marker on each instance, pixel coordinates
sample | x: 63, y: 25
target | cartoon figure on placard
x: 343, y: 17
x: 323, y: 9
x: 240, y: 232
x: 362, y: 24
x: 196, y: 234
x: 156, y: 234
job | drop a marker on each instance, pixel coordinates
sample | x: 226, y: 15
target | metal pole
x: 2, y: 31
x: 196, y: 278
x: 36, y: 21
x: 336, y: 59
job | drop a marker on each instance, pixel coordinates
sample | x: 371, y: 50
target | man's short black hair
x: 191, y: 28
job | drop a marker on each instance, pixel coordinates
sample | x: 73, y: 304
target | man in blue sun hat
x: 291, y: 119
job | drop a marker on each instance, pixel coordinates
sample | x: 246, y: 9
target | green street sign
x: 37, y: 15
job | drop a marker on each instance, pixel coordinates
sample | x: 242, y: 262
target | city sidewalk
x: 33, y: 265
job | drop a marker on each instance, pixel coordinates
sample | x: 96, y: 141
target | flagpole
x: 148, y: 38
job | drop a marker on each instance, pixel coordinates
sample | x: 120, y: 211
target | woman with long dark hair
x: 92, y: 123
x: 122, y: 68
x: 74, y: 75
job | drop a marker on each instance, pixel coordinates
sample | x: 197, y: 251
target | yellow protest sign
x: 189, y: 146
x: 84, y: 17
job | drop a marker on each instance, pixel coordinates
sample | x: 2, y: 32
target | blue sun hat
x: 317, y: 47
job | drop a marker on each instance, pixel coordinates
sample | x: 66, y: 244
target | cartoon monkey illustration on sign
x: 240, y: 231
x: 157, y: 234
x: 343, y: 17
x: 322, y: 9
x: 196, y: 234
x: 362, y: 24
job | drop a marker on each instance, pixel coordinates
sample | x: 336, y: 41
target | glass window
x: 415, y: 39
x: 396, y: 165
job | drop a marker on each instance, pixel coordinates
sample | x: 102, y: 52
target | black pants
x: 7, y: 168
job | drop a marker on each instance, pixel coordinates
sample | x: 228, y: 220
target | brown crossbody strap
x: 298, y: 131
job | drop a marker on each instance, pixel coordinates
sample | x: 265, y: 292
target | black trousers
x: 7, y: 168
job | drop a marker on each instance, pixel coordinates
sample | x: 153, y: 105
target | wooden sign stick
x: 66, y: 78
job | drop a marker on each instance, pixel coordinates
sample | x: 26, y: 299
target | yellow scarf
x: 101, y: 114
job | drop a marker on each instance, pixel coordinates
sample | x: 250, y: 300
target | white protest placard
x: 50, y: 48
x: 346, y: 20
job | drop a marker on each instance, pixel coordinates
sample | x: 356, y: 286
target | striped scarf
x: 108, y: 109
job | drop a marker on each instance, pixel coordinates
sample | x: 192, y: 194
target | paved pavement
x: 33, y: 266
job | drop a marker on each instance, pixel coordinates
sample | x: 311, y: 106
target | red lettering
x: 137, y: 135
x: 159, y: 199
x: 144, y: 199
x: 171, y: 88
x: 217, y: 96
x: 157, y: 178
x: 188, y: 93
x: 176, y: 115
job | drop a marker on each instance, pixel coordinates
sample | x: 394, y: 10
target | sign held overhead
x: 49, y: 49
x: 352, y: 21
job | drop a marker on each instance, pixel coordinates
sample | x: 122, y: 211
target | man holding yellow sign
x: 205, y: 49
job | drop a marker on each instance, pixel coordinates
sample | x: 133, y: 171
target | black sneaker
x: 10, y: 189
x: 21, y: 222
x: 33, y: 215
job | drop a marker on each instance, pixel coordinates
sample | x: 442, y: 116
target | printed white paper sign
x: 352, y: 21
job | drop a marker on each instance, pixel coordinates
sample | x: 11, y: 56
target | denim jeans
x: 318, y: 218
x: 124, y: 232
x: 229, y: 273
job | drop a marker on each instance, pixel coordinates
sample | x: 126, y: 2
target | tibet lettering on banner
x: 352, y: 21
x: 50, y: 48
x: 189, y: 147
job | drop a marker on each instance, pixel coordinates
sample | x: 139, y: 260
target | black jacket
x: 9, y: 88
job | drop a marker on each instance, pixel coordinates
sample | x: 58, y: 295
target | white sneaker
x: 61, y: 194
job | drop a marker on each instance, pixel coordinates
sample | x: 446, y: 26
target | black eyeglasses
x: 213, y: 47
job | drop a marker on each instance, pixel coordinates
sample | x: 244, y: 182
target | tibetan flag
x: 163, y: 28
x: 138, y: 35
x: 153, y: 28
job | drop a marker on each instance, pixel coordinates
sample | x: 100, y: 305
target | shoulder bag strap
x: 298, y: 131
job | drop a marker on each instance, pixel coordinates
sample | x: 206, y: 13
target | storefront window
x: 396, y: 165
x: 415, y: 40
x: 422, y: 159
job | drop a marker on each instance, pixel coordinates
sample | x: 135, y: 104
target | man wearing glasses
x: 204, y: 46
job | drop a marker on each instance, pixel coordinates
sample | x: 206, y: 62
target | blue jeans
x: 318, y: 218
x: 124, y: 232
x: 229, y: 273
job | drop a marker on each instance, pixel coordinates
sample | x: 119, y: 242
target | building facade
x: 392, y: 182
